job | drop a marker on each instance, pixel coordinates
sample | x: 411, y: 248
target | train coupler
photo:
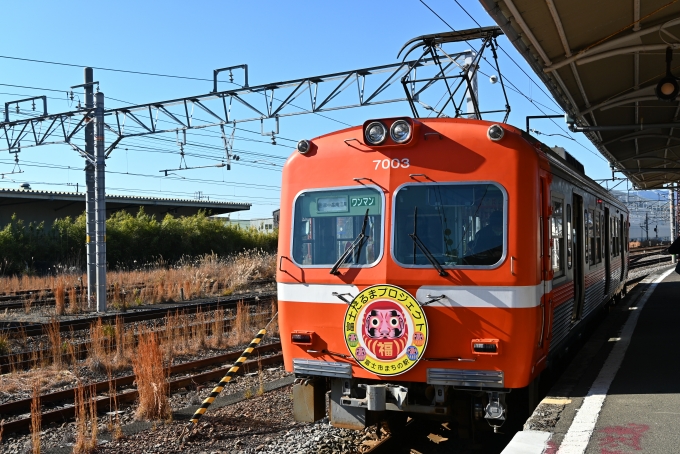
x: 377, y: 397
x: 496, y: 410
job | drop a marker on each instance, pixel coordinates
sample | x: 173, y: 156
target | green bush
x: 131, y: 241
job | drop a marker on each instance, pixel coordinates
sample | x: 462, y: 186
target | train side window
x: 570, y: 237
x: 612, y: 237
x: 598, y: 236
x: 557, y: 238
x: 615, y: 237
x: 588, y: 221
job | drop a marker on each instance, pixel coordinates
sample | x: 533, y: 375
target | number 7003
x: 392, y: 163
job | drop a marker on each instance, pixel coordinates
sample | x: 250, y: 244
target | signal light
x: 485, y: 346
x: 303, y: 146
x: 301, y: 337
x: 495, y: 132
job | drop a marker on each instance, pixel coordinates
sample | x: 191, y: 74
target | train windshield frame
x: 327, y: 221
x: 463, y: 225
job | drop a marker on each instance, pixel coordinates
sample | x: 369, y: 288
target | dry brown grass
x: 54, y: 339
x: 209, y: 275
x: 86, y: 419
x: 241, y: 331
x: 274, y: 327
x: 150, y: 376
x: 99, y: 347
x: 217, y: 339
x: 36, y: 416
x: 181, y: 334
x: 73, y: 303
x: 60, y: 297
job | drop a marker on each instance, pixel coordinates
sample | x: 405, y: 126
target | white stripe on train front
x: 512, y: 297
x: 316, y: 293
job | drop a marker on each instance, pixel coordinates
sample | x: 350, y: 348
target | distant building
x: 265, y: 225
x: 276, y: 215
x: 46, y: 206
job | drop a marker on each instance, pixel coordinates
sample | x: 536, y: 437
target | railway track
x: 46, y: 298
x: 25, y: 360
x: 64, y: 399
x: 17, y: 329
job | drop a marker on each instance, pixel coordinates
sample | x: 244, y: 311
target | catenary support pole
x: 100, y: 202
x: 89, y: 194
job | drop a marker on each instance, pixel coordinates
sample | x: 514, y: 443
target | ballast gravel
x: 260, y: 424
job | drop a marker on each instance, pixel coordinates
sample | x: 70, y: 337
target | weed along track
x: 178, y: 379
x: 128, y: 368
x: 100, y: 336
x: 17, y: 328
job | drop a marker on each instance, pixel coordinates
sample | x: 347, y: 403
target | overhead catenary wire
x: 514, y: 88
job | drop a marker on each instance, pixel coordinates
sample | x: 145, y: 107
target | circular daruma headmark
x: 385, y: 330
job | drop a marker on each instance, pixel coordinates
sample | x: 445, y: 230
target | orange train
x: 432, y: 266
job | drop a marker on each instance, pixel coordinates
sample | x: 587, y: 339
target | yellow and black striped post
x: 227, y: 378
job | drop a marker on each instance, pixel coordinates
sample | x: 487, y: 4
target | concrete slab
x: 642, y: 408
x: 528, y: 442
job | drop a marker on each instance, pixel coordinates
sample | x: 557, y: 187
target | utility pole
x: 100, y: 203
x: 90, y: 197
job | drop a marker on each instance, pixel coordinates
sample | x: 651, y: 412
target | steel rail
x: 25, y: 360
x: 16, y: 329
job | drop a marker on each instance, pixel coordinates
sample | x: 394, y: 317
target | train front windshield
x: 328, y: 224
x: 455, y: 224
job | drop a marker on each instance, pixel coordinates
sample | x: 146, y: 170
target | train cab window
x: 557, y: 236
x: 455, y: 225
x: 570, y: 238
x: 329, y: 223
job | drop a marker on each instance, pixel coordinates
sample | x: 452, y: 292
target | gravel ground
x: 262, y: 424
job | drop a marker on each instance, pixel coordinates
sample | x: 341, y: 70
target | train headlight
x: 303, y: 146
x: 495, y: 132
x: 376, y: 133
x: 400, y: 131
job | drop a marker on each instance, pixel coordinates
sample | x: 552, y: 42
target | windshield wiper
x: 357, y: 243
x: 417, y: 242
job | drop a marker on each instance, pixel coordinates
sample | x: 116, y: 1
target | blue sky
x: 278, y: 40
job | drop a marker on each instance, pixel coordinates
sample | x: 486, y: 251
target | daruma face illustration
x: 384, y: 323
x: 385, y: 332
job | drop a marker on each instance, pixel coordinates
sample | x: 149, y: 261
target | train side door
x: 578, y: 236
x: 607, y: 250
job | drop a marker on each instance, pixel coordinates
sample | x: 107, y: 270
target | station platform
x: 621, y: 392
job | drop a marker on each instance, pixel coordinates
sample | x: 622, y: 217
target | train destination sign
x: 385, y: 330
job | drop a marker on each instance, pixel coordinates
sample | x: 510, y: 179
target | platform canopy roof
x: 602, y: 60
